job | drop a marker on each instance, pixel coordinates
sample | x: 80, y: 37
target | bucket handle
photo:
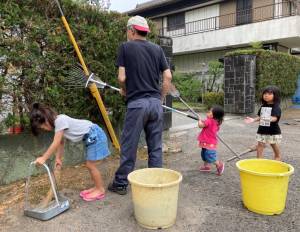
x: 51, y: 182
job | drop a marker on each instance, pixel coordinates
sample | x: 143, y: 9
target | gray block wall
x: 239, y: 84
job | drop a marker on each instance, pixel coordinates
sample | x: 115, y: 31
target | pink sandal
x: 205, y: 168
x: 98, y: 197
x: 84, y: 192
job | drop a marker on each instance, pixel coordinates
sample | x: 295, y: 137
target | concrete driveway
x: 207, y: 202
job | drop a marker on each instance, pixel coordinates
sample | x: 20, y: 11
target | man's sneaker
x: 220, y: 168
x: 122, y: 190
x: 205, y: 169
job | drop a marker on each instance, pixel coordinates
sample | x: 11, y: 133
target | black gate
x: 167, y: 45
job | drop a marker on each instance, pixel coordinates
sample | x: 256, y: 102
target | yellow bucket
x: 155, y: 196
x: 264, y: 185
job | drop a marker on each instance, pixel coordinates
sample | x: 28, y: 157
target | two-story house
x: 204, y: 30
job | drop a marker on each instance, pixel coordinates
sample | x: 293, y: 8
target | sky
x: 124, y: 5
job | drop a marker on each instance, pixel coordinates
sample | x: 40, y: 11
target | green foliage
x: 188, y: 86
x: 25, y: 121
x: 273, y: 68
x: 34, y: 40
x: 213, y: 98
x: 248, y: 51
x: 215, y: 71
x: 10, y: 120
x: 256, y: 45
x: 1, y: 85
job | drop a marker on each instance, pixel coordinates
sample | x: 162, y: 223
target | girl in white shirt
x: 75, y: 130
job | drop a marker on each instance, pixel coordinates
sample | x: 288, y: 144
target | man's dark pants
x: 147, y: 114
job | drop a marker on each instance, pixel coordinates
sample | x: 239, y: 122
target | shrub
x: 36, y: 55
x: 215, y: 71
x: 188, y: 86
x: 213, y: 98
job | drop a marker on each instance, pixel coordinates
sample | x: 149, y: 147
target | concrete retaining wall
x: 17, y: 151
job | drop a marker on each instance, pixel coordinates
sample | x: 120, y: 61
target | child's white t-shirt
x: 74, y: 129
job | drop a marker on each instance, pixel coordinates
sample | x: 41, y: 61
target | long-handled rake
x: 78, y: 79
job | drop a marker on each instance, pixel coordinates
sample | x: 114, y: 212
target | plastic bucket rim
x: 155, y: 185
x: 288, y: 173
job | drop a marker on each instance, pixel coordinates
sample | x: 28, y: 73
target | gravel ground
x: 207, y: 202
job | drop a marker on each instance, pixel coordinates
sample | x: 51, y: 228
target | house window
x: 243, y: 12
x: 176, y: 21
x: 271, y: 46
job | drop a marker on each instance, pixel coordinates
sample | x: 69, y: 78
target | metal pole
x: 52, y: 184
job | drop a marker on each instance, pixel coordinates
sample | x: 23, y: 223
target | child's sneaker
x: 220, y: 168
x: 205, y: 169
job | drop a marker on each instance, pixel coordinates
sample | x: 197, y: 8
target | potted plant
x: 17, y: 126
x: 14, y: 124
x: 10, y: 122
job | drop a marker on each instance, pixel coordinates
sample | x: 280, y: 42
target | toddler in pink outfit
x: 208, y: 139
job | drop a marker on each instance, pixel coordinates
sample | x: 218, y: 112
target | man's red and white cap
x: 139, y: 23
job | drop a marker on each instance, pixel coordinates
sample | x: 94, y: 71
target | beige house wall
x: 282, y: 49
x: 262, y: 10
x: 158, y: 23
x: 227, y: 13
x: 286, y: 8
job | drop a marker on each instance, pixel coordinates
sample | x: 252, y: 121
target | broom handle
x: 164, y: 106
x: 93, y: 88
x: 112, y: 87
x: 190, y: 108
x: 196, y: 117
x: 180, y: 112
x: 250, y: 149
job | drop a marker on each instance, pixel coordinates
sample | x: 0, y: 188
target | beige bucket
x: 155, y: 196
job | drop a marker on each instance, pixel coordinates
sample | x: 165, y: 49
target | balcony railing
x: 253, y: 15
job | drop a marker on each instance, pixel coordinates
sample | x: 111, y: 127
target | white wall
x: 273, y: 30
x: 197, y: 62
x: 202, y: 13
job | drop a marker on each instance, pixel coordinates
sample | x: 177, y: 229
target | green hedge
x: 40, y: 49
x: 213, y: 98
x: 274, y: 68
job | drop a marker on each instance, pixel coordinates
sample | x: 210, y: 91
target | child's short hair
x: 39, y: 115
x: 271, y: 89
x: 218, y: 113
